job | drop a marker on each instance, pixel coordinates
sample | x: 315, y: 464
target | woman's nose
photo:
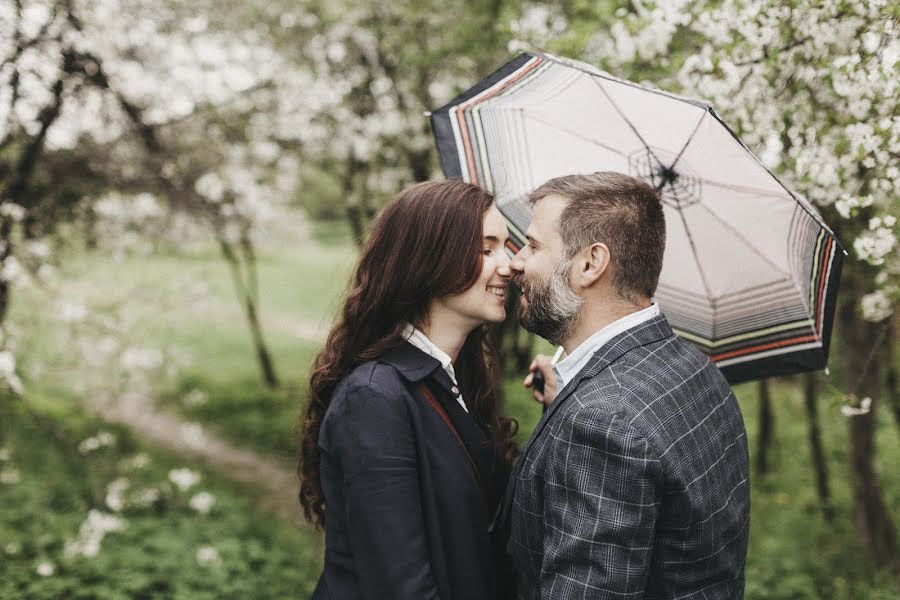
x: 503, y: 265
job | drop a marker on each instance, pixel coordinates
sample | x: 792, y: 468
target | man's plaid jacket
x: 635, y: 481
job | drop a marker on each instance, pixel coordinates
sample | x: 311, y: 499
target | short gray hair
x: 621, y: 211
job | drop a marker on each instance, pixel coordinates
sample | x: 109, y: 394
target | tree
x: 138, y: 99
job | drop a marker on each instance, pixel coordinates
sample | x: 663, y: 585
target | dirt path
x: 271, y: 484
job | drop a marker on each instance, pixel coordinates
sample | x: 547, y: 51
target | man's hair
x: 620, y: 211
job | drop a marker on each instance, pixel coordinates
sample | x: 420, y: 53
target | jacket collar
x: 413, y: 364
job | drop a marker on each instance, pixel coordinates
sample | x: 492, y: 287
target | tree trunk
x: 891, y: 380
x: 815, y: 445
x: 246, y: 291
x: 266, y: 364
x: 766, y: 428
x: 355, y: 208
x: 873, y: 521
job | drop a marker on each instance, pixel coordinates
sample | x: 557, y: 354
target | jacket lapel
x: 473, y: 437
x: 417, y: 367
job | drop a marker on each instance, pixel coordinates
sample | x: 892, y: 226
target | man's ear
x: 590, y: 264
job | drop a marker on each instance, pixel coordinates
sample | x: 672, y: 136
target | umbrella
x: 750, y: 273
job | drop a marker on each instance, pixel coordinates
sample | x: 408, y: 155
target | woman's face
x: 485, y: 300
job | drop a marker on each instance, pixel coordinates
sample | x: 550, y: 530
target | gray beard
x: 553, y: 306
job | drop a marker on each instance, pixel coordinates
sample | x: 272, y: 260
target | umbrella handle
x: 537, y: 382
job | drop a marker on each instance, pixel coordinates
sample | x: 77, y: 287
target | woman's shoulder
x: 371, y: 393
x: 370, y: 380
x: 375, y: 375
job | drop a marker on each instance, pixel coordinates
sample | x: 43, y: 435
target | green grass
x: 156, y: 555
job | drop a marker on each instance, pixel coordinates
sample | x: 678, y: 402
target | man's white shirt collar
x: 568, y: 367
x: 418, y: 339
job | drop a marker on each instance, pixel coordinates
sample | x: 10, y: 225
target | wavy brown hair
x: 425, y: 244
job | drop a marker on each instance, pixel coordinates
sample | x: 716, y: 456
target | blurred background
x: 183, y: 190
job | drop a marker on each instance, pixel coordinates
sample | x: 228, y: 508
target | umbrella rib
x: 574, y: 133
x: 743, y: 189
x: 689, y: 140
x: 709, y: 295
x: 624, y: 118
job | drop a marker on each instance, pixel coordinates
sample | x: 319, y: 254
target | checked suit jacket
x: 635, y: 481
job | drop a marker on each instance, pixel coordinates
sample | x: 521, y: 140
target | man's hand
x: 543, y: 365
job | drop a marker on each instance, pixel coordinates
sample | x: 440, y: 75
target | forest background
x: 183, y: 190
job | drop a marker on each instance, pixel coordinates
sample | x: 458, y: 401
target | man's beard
x: 553, y: 305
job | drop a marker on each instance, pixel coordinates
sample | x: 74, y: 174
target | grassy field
x: 794, y: 553
x: 159, y: 545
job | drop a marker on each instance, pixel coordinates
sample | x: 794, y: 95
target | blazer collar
x: 413, y: 364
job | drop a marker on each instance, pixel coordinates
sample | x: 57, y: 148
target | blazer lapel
x: 473, y: 437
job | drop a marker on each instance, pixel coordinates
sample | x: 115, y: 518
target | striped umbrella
x: 751, y: 270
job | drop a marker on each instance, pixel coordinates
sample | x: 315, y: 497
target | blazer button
x: 455, y: 390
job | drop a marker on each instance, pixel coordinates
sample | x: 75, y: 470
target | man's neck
x: 597, y: 314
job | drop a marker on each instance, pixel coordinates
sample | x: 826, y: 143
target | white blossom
x: 11, y: 270
x: 12, y: 211
x: 8, y: 371
x: 208, y: 556
x: 183, y: 478
x: 196, y: 397
x: 138, y: 461
x: 202, y: 502
x: 115, y: 494
x: 91, y: 533
x: 10, y: 476
x: 874, y: 245
x: 95, y: 442
x: 865, y: 406
x: 876, y: 306
x: 45, y: 569
x: 146, y: 497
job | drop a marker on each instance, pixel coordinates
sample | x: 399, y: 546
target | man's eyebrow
x: 532, y: 239
x: 492, y: 238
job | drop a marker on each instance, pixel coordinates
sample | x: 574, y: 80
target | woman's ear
x: 591, y: 263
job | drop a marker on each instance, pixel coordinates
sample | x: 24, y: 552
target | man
x: 635, y: 481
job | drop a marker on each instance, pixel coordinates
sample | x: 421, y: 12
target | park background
x: 183, y: 190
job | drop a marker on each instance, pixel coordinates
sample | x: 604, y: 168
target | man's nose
x: 517, y: 263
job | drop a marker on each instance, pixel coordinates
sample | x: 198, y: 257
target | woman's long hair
x: 426, y: 244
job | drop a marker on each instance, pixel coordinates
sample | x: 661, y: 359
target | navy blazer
x: 408, y: 500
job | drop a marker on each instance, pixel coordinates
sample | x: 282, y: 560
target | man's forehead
x: 546, y: 214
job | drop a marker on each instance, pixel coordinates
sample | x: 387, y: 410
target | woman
x: 404, y: 453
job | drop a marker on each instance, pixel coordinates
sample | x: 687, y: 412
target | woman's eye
x: 488, y: 251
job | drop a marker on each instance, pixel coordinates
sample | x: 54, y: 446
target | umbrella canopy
x: 751, y: 271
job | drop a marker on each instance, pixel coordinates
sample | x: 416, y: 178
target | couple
x: 634, y: 483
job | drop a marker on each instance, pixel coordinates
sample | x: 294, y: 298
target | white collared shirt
x: 420, y: 340
x: 569, y: 367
